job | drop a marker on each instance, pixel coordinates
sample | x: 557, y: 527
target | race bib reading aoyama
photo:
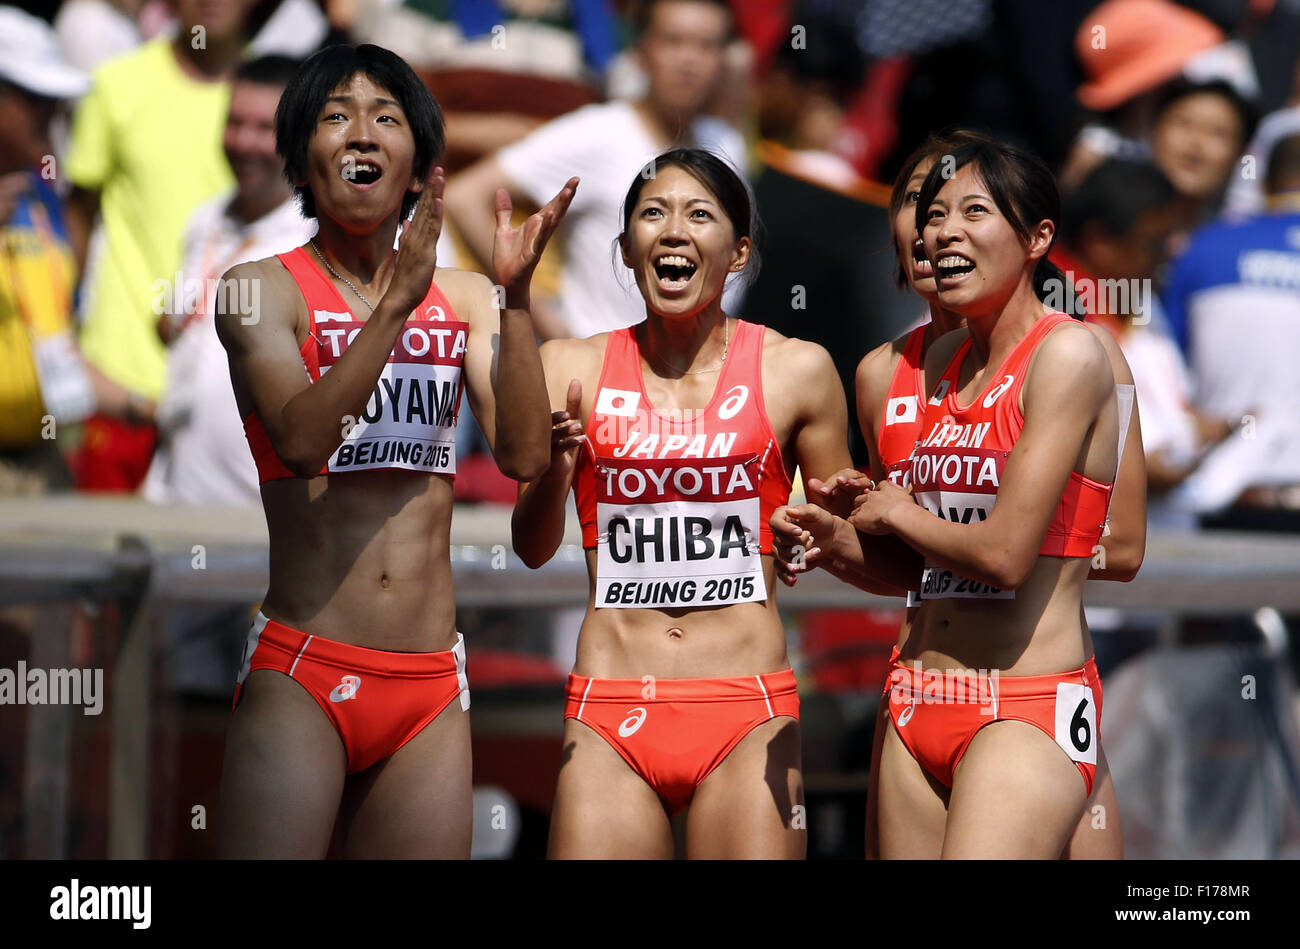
x: 409, y: 421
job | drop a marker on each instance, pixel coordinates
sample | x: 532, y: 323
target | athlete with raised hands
x: 678, y: 438
x: 352, y: 702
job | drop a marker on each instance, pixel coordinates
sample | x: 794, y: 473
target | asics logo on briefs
x: 998, y: 390
x: 621, y: 402
x: 630, y: 724
x: 734, y: 403
x: 906, y: 715
x: 346, y: 689
x: 940, y: 391
x: 901, y: 410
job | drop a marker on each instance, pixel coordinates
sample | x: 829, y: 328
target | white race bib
x: 409, y: 421
x: 678, y: 532
x: 958, y: 485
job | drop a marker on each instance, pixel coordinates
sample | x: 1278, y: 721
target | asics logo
x: 634, y: 721
x: 906, y: 715
x: 347, y: 689
x: 998, y: 390
x: 735, y: 401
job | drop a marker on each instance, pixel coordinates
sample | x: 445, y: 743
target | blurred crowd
x: 138, y: 164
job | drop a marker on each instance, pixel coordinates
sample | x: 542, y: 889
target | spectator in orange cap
x: 1129, y: 49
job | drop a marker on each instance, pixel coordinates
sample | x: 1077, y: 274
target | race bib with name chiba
x: 678, y: 532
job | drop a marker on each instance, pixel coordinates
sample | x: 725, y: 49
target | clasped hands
x: 803, y: 535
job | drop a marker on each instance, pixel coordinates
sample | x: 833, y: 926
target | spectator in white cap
x: 44, y: 384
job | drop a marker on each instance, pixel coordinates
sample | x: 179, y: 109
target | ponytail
x: 1054, y: 289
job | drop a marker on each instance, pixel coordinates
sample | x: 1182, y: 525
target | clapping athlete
x: 352, y: 702
x: 679, y: 437
x: 891, y: 401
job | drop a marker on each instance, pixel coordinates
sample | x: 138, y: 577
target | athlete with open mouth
x: 352, y: 700
x: 1013, y: 472
x: 679, y: 436
x: 891, y: 402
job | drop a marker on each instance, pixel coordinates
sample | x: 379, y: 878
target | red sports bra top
x: 409, y: 422
x: 678, y: 507
x: 957, y: 466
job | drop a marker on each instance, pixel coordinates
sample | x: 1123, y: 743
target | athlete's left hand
x: 872, y: 509
x: 516, y: 250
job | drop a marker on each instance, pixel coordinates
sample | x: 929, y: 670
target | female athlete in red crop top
x: 1003, y: 583
x: 890, y: 402
x: 352, y: 697
x: 678, y: 438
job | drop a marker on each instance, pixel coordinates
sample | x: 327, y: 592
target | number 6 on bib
x: 1076, y: 722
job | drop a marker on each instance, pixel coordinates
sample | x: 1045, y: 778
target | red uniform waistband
x: 359, y: 658
x: 735, y: 688
x: 907, y: 677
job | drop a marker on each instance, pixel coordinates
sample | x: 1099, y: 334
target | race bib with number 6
x: 1076, y: 722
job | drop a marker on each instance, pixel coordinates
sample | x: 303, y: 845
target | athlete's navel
x: 675, y: 633
x: 384, y: 582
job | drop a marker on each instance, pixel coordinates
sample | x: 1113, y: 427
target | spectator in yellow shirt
x: 145, y: 151
x: 44, y: 384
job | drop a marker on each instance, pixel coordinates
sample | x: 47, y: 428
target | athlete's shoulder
x: 1073, y: 350
x: 877, y: 367
x: 1119, y: 366
x: 799, y: 357
x: 270, y: 272
x: 454, y: 277
x: 574, y: 354
x: 266, y: 286
x: 466, y: 290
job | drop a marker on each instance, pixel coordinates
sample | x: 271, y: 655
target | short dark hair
x: 1020, y: 184
x: 1283, y: 165
x: 1114, y: 195
x: 935, y: 145
x: 645, y: 12
x: 271, y: 70
x: 325, y: 71
x: 1182, y: 87
x: 721, y: 180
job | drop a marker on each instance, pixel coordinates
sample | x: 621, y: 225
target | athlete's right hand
x: 800, y: 536
x: 566, y: 429
x: 837, y: 492
x: 417, y: 253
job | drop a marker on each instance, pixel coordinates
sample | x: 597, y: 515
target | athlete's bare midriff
x: 1040, y: 632
x: 744, y: 639
x: 363, y: 558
